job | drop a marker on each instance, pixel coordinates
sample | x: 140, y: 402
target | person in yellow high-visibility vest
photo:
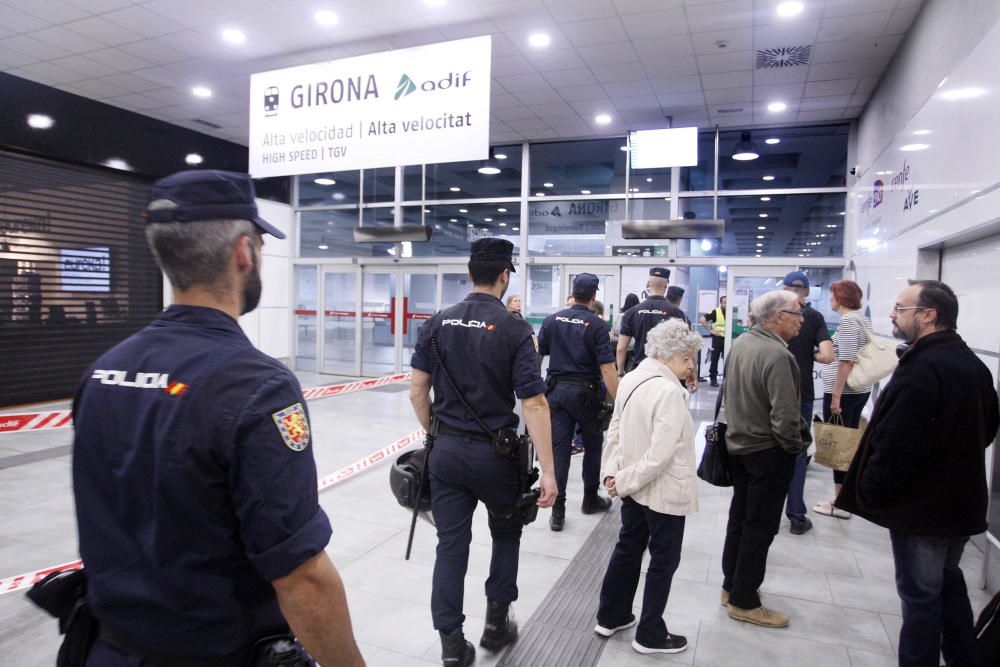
x: 718, y: 330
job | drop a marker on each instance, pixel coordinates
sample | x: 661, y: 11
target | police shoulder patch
x: 293, y: 426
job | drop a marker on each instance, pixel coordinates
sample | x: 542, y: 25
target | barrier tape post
x: 28, y: 579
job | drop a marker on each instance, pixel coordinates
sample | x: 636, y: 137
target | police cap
x: 493, y: 250
x: 675, y: 293
x: 586, y: 283
x: 207, y: 194
x: 659, y: 272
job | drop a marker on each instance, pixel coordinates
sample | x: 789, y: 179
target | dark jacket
x: 920, y: 467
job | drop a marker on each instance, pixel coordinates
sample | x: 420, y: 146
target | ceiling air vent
x: 730, y: 110
x: 783, y: 56
x: 207, y: 124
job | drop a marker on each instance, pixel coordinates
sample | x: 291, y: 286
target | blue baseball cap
x: 659, y: 272
x: 586, y: 282
x: 493, y: 250
x: 797, y: 279
x: 207, y: 194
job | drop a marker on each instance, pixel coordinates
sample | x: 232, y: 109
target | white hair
x: 766, y: 307
x: 671, y: 338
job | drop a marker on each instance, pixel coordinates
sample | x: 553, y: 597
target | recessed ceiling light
x: 909, y: 148
x: 772, y: 141
x: 453, y: 220
x: 775, y: 107
x: 765, y: 199
x: 963, y: 93
x: 193, y: 159
x: 338, y: 195
x: 501, y: 210
x: 789, y: 9
x: 516, y: 229
x: 539, y: 194
x: 502, y: 224
x: 326, y: 17
x: 454, y: 189
x: 487, y: 219
x: 40, y: 121
x: 324, y: 181
x: 762, y: 227
x: 635, y: 189
x: 920, y: 133
x: 463, y: 210
x: 547, y: 185
x: 706, y: 245
x: 584, y: 192
x: 760, y: 236
x: 768, y: 178
x: 623, y: 148
x: 234, y: 36
x: 843, y: 213
x: 323, y: 246
x: 201, y: 91
x: 831, y: 226
x: 539, y: 40
x: 649, y: 179
x: 427, y: 210
x: 762, y: 215
x: 760, y: 245
x: 602, y: 119
x: 117, y: 163
x: 500, y: 156
x: 489, y: 171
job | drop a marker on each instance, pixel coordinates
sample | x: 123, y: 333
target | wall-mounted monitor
x: 85, y: 269
x: 657, y: 149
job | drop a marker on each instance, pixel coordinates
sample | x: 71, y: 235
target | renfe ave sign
x: 411, y: 106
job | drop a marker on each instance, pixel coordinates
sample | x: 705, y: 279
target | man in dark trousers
x: 811, y: 344
x: 490, y: 356
x: 581, y: 371
x: 200, y: 527
x: 920, y: 471
x: 717, y: 328
x: 638, y: 321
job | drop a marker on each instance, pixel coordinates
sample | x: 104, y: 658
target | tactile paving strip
x: 561, y: 631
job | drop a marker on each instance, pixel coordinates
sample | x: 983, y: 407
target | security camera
x: 855, y: 170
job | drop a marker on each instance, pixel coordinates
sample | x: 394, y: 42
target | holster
x: 64, y: 595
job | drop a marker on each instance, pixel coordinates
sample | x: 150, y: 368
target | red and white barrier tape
x: 44, y: 421
x: 28, y: 579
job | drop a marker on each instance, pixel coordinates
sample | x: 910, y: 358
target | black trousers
x: 760, y: 484
x: 718, y: 348
x: 570, y: 409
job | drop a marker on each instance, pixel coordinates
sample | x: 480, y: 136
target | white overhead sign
x: 412, y: 106
x: 656, y: 149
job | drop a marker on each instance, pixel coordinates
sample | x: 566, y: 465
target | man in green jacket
x: 765, y: 433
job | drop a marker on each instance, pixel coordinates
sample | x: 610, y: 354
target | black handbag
x: 714, y: 466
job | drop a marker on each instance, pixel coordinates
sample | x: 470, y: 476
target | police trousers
x: 570, y: 405
x: 464, y: 472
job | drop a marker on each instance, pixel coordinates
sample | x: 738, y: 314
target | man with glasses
x: 765, y: 435
x: 920, y: 472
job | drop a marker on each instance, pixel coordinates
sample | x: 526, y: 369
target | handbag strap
x: 454, y: 388
x: 634, y: 389
x: 718, y: 399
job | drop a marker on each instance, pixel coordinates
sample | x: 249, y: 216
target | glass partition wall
x: 562, y: 205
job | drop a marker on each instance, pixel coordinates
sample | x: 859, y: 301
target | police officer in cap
x: 581, y: 359
x: 199, y: 524
x: 491, y: 357
x: 638, y: 321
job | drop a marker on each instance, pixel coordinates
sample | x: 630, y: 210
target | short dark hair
x: 584, y: 295
x: 485, y: 274
x: 937, y: 295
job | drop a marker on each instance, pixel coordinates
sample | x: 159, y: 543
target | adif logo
x: 567, y: 320
x: 471, y: 324
x: 405, y: 87
x: 140, y: 381
x: 271, y: 101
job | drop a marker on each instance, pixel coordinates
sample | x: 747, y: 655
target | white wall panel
x: 269, y: 326
x: 973, y: 271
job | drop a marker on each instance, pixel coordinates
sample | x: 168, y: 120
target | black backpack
x: 988, y: 634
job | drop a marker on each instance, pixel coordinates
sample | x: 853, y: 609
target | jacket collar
x: 935, y: 339
x: 654, y: 367
x: 761, y: 331
x: 201, y: 316
x: 483, y: 296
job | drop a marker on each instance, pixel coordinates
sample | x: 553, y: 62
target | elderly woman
x: 649, y: 462
x: 838, y: 398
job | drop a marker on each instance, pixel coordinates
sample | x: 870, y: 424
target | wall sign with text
x: 422, y: 105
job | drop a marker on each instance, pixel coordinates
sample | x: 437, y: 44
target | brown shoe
x: 724, y: 596
x: 759, y: 616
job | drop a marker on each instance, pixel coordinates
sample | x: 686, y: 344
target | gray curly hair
x: 671, y: 338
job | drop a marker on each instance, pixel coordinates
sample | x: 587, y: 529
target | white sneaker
x: 607, y: 632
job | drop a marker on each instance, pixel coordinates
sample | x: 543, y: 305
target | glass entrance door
x: 607, y: 289
x: 743, y: 285
x: 395, y: 305
x: 341, y: 296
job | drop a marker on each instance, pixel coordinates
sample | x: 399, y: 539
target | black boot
x: 455, y: 650
x: 558, y: 518
x: 594, y: 503
x: 500, y: 629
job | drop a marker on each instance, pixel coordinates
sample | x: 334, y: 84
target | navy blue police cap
x: 586, y: 282
x: 675, y: 293
x: 493, y: 250
x: 659, y: 272
x: 207, y: 194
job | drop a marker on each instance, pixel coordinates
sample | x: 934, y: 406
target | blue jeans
x: 663, y: 534
x: 937, y: 616
x: 795, y: 506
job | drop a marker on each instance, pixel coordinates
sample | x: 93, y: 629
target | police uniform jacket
x: 638, y: 321
x: 577, y: 341
x: 491, y: 356
x: 195, y: 486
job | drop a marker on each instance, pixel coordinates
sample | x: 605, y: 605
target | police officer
x: 491, y: 357
x: 199, y: 524
x: 579, y: 343
x: 718, y: 330
x: 639, y: 320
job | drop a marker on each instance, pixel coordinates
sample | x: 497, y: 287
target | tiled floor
x: 835, y: 582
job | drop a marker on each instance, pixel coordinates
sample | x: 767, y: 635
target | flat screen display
x: 85, y: 269
x: 656, y: 149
